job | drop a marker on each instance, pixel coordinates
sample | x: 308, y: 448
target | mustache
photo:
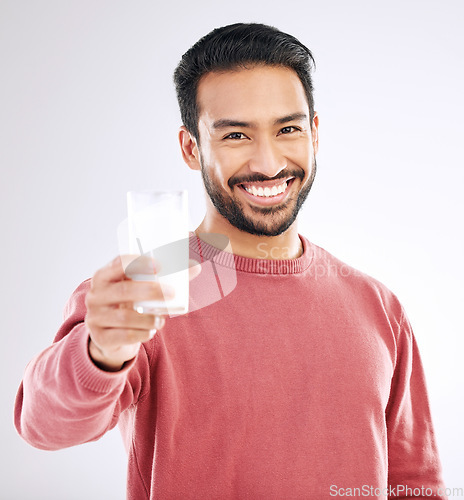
x: 284, y: 174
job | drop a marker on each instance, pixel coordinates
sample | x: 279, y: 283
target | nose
x: 267, y: 159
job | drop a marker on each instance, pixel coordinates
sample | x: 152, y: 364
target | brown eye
x: 288, y: 130
x: 235, y: 135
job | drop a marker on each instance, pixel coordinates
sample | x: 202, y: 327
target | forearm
x: 65, y: 399
x: 414, y: 464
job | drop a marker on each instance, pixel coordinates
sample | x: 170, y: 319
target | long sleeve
x: 414, y: 465
x: 231, y: 401
x: 64, y: 398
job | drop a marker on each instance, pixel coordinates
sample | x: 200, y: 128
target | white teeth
x: 266, y: 192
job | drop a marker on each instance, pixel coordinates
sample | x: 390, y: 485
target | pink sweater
x: 304, y: 380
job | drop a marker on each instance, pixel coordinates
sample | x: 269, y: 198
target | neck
x: 284, y: 246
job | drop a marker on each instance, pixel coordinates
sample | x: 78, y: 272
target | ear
x: 189, y: 149
x: 315, y: 132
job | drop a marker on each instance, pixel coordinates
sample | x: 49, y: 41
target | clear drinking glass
x: 158, y: 228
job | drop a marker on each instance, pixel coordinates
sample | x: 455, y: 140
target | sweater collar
x: 202, y: 252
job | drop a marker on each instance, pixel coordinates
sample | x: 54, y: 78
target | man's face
x: 257, y: 149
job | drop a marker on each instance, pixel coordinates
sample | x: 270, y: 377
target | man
x: 304, y: 381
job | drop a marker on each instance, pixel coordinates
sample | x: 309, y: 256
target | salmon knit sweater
x: 288, y: 379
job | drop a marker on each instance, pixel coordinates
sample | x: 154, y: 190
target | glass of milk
x: 158, y: 228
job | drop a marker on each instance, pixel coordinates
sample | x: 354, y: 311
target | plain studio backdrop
x: 88, y: 112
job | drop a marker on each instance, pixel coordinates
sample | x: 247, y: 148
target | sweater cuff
x: 89, y: 375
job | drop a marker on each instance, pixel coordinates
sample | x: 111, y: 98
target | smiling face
x: 257, y: 149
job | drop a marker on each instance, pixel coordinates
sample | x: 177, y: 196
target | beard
x: 267, y: 221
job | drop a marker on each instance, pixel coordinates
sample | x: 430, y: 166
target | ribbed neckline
x: 205, y: 251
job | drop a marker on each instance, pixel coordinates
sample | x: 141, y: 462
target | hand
x: 116, y: 329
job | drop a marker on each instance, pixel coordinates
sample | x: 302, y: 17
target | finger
x: 113, y: 271
x: 115, y: 338
x: 122, y: 318
x: 141, y: 265
x: 129, y: 291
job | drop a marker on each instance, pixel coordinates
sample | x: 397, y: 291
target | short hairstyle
x: 237, y: 46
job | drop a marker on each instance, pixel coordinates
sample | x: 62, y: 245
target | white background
x: 88, y: 112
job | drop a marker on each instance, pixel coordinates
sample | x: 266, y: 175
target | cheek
x: 302, y: 155
x: 223, y: 166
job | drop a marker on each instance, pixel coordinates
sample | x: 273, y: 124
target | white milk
x: 158, y: 226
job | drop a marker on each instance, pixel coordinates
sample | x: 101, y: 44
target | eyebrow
x: 226, y: 123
